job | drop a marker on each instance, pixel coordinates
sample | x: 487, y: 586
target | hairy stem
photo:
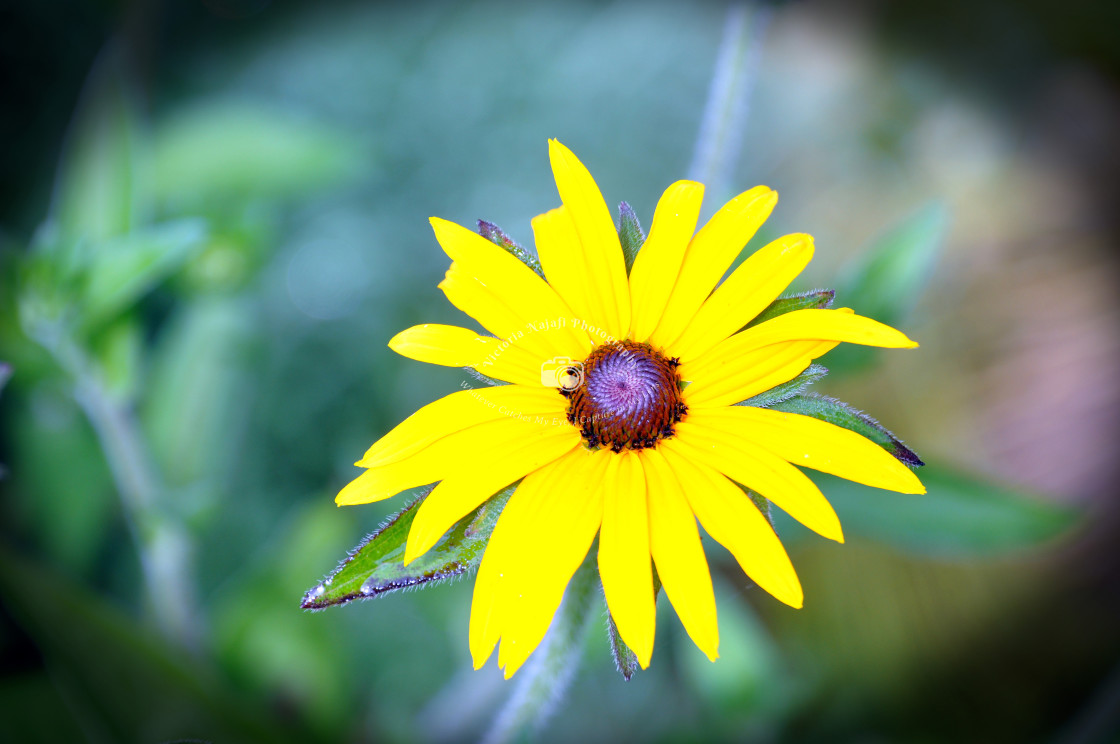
x: 544, y: 680
x: 725, y: 113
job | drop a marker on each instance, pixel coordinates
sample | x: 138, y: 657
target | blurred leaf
x: 227, y: 153
x: 97, y: 192
x: 71, y: 512
x: 961, y: 516
x: 5, y: 374
x: 493, y: 233
x: 787, y: 390
x: 841, y: 414
x: 195, y: 395
x: 119, y: 349
x: 123, y: 269
x: 892, y: 275
x: 630, y: 234
x: 747, y: 681
x: 122, y: 684
x: 376, y: 566
x: 817, y: 298
x: 889, y: 281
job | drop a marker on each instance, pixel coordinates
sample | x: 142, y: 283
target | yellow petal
x: 559, y: 248
x: 710, y: 253
x: 624, y: 557
x: 751, y: 287
x: 598, y: 255
x: 382, y: 483
x: 811, y: 443
x: 541, y: 538
x: 447, y: 457
x: 679, y: 555
x: 659, y: 261
x: 452, y: 346
x: 761, y: 471
x: 543, y: 319
x: 732, y: 379
x: 729, y: 516
x: 459, y: 411
x: 519, y: 450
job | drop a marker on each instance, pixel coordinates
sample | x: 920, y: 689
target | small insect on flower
x: 622, y: 420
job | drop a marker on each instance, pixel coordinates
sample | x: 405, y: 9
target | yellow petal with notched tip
x: 459, y: 411
x: 679, y: 556
x: 539, y: 311
x: 761, y: 471
x: 750, y: 373
x: 553, y: 532
x: 732, y: 519
x: 624, y: 557
x: 751, y: 287
x: 451, y: 346
x: 598, y: 254
x: 710, y: 254
x: 522, y: 450
x: 811, y: 443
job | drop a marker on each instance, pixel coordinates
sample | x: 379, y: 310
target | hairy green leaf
x: 630, y: 234
x: 376, y: 566
x: 787, y: 390
x: 811, y: 300
x: 841, y: 414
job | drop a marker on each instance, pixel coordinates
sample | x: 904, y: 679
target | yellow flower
x: 620, y: 420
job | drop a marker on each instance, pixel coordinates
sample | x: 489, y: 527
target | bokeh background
x: 213, y: 217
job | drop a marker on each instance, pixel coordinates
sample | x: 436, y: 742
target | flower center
x: 630, y: 397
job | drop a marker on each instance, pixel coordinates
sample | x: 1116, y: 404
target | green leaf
x: 787, y: 390
x: 841, y: 414
x: 123, y: 269
x: 97, y: 193
x: 887, y: 283
x: 961, y: 516
x: 494, y: 234
x: 225, y: 155
x: 630, y: 234
x: 377, y: 567
x: 813, y: 299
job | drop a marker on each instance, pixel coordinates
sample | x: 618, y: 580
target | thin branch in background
x: 541, y: 685
x: 725, y: 114
x: 164, y: 547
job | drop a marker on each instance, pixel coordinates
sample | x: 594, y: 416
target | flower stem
x: 544, y: 680
x: 164, y: 547
x: 725, y: 113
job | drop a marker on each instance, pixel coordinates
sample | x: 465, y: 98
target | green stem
x: 725, y: 113
x: 164, y: 547
x: 544, y: 680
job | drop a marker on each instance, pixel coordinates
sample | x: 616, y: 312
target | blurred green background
x: 213, y: 217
